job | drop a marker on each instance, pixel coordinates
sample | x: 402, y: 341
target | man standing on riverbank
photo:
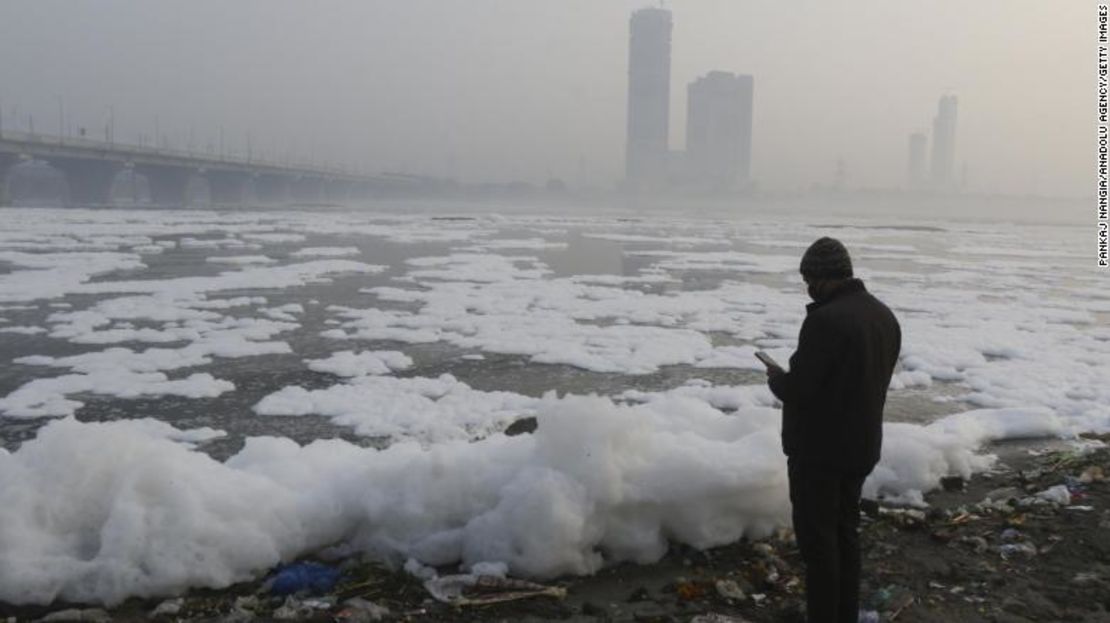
x: 832, y: 420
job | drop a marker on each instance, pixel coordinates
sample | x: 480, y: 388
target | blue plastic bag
x: 304, y: 576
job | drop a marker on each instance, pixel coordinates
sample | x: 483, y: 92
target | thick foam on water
x: 987, y: 321
x: 597, y: 482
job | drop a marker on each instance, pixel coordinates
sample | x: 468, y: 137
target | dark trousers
x: 826, y: 524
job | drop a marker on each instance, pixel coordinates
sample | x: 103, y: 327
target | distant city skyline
x: 497, y: 90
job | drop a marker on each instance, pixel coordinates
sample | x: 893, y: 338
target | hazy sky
x: 524, y: 89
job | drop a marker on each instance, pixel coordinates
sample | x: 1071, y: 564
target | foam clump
x: 380, y: 406
x: 597, y: 482
x: 349, y: 363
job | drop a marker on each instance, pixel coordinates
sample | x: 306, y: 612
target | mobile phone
x: 767, y: 359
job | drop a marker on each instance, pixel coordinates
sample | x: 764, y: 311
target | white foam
x: 241, y: 260
x: 53, y: 275
x: 599, y: 480
x: 349, y: 363
x: 216, y: 243
x: 724, y: 261
x: 596, y: 483
x: 505, y: 305
x: 45, y: 397
x: 430, y: 410
x: 22, y: 330
x: 325, y: 252
x: 275, y: 237
x: 536, y: 244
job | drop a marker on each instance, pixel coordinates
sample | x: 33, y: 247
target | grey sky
x: 507, y: 89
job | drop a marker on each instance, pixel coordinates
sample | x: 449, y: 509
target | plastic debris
x: 462, y: 590
x: 242, y: 611
x: 1058, y: 495
x: 94, y: 615
x: 976, y: 543
x: 1009, y: 550
x: 359, y: 610
x: 729, y: 589
x: 909, y: 518
x: 312, y: 577
x: 1077, y: 489
x: 325, y: 603
x: 690, y: 591
x: 1093, y: 473
x: 883, y: 595
x: 962, y: 518
x: 713, y: 617
x: 293, y: 608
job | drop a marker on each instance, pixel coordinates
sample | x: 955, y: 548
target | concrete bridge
x: 78, y: 171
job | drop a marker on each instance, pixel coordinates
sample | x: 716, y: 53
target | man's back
x: 834, y: 395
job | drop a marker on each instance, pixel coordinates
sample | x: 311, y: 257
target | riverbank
x: 1028, y: 541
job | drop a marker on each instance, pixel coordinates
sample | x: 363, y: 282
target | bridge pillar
x: 198, y: 192
x: 130, y: 187
x: 6, y: 163
x: 89, y: 181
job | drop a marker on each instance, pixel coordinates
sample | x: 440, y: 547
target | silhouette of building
x: 917, y: 172
x: 649, y: 96
x: 944, y: 143
x: 719, y: 130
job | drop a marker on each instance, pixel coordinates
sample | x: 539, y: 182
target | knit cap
x: 826, y: 259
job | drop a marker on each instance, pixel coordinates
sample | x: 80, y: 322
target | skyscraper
x: 649, y: 98
x: 917, y: 176
x: 944, y: 143
x: 719, y: 130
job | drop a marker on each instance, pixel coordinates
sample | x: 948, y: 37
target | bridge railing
x: 51, y: 140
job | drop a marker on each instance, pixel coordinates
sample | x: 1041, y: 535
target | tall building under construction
x: 649, y: 97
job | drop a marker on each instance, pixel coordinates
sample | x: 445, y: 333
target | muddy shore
x: 1019, y: 557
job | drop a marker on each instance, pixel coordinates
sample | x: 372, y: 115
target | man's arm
x: 817, y: 351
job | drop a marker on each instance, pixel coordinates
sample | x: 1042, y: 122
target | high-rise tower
x: 719, y: 130
x: 649, y: 98
x: 944, y: 143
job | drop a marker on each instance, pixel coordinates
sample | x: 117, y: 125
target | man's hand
x: 774, y: 372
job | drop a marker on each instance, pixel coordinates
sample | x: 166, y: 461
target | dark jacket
x: 834, y: 394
